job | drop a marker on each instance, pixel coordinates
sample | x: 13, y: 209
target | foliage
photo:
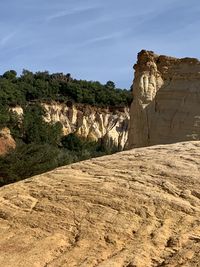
x: 29, y: 160
x: 10, y: 93
x: 36, y: 130
x: 58, y: 86
x: 40, y: 145
x: 32, y: 159
x: 10, y: 75
x: 110, y: 84
x: 9, y: 119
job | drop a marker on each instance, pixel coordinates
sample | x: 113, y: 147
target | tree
x: 68, y: 76
x: 10, y: 93
x: 28, y: 160
x: 10, y: 75
x: 27, y: 76
x: 110, y: 84
x: 36, y: 130
x: 73, y: 142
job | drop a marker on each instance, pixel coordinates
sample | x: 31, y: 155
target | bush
x: 36, y: 130
x: 31, y: 159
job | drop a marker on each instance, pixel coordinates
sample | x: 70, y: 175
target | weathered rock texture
x: 6, y: 141
x: 89, y: 121
x: 135, y: 208
x: 166, y: 106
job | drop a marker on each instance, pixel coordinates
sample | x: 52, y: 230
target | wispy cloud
x: 5, y: 39
x: 101, y: 39
x: 68, y: 12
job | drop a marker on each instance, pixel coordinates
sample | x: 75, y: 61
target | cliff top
x: 135, y: 208
x: 145, y: 55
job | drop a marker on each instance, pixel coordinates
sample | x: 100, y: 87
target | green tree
x: 10, y: 75
x: 73, y: 142
x: 36, y: 130
x: 110, y: 84
x: 29, y: 160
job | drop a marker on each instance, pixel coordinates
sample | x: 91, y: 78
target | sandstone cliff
x: 89, y: 121
x: 136, y: 208
x: 6, y: 141
x: 166, y: 106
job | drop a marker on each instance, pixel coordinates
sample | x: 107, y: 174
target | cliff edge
x: 135, y: 208
x: 166, y: 105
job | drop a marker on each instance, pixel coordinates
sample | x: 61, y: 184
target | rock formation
x: 136, y: 208
x: 89, y: 121
x: 166, y: 106
x: 6, y: 141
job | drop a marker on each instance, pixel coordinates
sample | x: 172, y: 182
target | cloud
x: 101, y: 39
x: 74, y: 11
x: 4, y: 40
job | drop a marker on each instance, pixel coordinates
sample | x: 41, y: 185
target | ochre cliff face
x: 6, y: 141
x: 91, y: 122
x: 166, y: 106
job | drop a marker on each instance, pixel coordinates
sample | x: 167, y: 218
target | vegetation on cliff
x: 41, y: 145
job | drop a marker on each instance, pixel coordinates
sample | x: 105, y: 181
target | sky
x: 95, y: 40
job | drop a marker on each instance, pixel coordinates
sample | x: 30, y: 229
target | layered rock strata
x: 91, y: 122
x: 166, y: 106
x: 109, y: 124
x: 135, y: 208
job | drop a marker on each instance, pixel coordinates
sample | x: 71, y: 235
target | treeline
x: 41, y: 146
x: 43, y: 86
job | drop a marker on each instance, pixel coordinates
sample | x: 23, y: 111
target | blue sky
x: 95, y: 40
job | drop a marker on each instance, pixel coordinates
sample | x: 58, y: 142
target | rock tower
x: 166, y: 105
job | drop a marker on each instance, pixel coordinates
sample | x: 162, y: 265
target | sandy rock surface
x: 137, y: 208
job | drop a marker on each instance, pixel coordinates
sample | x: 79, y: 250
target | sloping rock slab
x: 135, y: 208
